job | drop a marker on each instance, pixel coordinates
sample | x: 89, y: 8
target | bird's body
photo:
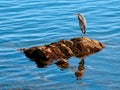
x: 82, y: 23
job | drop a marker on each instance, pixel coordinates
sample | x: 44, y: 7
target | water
x: 27, y: 23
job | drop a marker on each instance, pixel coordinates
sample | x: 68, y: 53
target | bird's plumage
x: 82, y: 23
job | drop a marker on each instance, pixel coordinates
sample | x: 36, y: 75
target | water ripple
x: 29, y: 23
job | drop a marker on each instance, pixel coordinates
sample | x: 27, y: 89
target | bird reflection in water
x: 81, y: 69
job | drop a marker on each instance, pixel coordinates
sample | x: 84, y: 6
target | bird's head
x: 80, y: 15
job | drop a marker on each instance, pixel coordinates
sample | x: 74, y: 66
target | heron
x: 82, y: 23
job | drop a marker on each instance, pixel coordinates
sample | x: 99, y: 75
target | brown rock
x: 62, y: 50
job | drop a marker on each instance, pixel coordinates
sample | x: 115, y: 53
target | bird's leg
x: 83, y: 35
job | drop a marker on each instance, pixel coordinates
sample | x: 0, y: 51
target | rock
x: 63, y: 50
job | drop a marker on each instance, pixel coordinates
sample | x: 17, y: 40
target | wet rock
x: 62, y: 51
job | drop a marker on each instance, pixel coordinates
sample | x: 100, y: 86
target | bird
x: 82, y: 23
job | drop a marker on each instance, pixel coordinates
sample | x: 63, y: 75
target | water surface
x: 27, y: 23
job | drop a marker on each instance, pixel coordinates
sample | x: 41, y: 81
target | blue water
x: 27, y: 23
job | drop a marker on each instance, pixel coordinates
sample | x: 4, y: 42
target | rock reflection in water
x: 79, y: 73
x: 63, y: 64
